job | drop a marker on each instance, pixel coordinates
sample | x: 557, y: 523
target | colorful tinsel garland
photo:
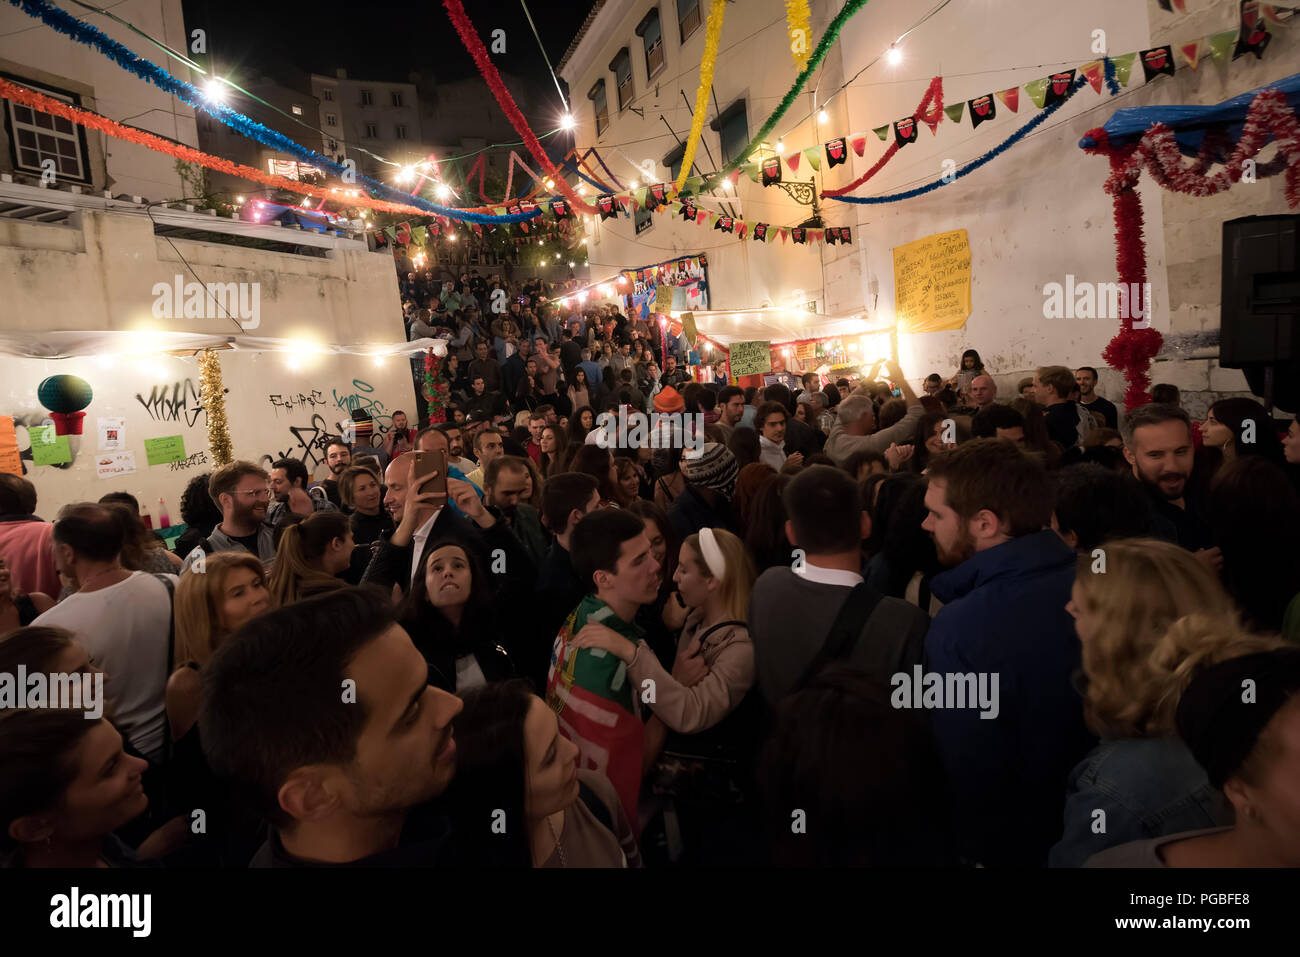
x: 436, y: 391
x: 470, y: 38
x: 933, y: 96
x: 712, y: 36
x: 798, y: 22
x: 62, y: 22
x: 212, y: 393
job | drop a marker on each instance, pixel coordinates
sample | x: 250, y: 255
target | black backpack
x: 844, y: 633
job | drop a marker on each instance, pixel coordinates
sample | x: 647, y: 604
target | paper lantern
x: 65, y: 396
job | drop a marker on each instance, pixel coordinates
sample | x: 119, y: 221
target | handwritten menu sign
x: 10, y: 459
x: 663, y: 300
x: 168, y: 448
x: 751, y: 358
x: 932, y: 282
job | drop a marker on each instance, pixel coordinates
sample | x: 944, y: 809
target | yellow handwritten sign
x: 663, y: 300
x: 750, y: 358
x: 932, y: 282
x: 688, y: 324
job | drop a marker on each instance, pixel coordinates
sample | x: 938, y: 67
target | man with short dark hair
x: 999, y: 422
x: 1086, y: 378
x: 505, y: 479
x: 731, y: 405
x: 792, y: 610
x: 598, y: 708
x: 1052, y: 386
x: 536, y: 426
x: 456, y: 448
x: 1095, y: 504
x: 122, y: 619
x: 485, y: 404
x: 336, y: 773
x: 1003, y: 620
x: 487, y: 446
x: 1158, y: 446
x: 241, y: 491
x: 26, y: 542
x: 338, y: 456
x: 288, y: 483
x: 799, y: 437
x: 483, y: 366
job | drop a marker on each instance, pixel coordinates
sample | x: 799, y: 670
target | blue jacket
x: 1147, y: 787
x: 1004, y: 614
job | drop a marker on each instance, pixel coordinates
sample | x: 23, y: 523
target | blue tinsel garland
x: 62, y: 22
x: 975, y: 164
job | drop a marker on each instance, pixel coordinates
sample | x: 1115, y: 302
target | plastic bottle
x: 163, y: 520
x: 146, y: 517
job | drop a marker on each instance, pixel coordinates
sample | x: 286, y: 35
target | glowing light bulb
x: 567, y: 122
x: 239, y: 199
x: 550, y: 184
x: 894, y: 56
x: 584, y: 295
x: 406, y: 174
x: 823, y: 117
x: 780, y: 146
x: 443, y: 190
x: 215, y: 89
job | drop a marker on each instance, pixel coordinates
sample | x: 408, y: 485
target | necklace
x: 559, y: 848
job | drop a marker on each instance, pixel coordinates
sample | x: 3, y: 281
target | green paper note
x: 1123, y: 67
x: 54, y: 452
x: 1221, y: 44
x: 1037, y: 91
x: 168, y: 448
x: 954, y: 112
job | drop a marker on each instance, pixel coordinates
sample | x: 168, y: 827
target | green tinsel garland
x: 823, y: 47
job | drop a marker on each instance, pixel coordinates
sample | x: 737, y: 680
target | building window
x: 367, y: 98
x: 397, y: 98
x: 621, y: 67
x: 327, y: 94
x: 597, y: 97
x: 688, y: 17
x: 331, y: 119
x: 297, y: 110
x: 400, y: 131
x: 39, y: 136
x: 334, y: 146
x: 372, y: 131
x: 652, y: 37
x: 674, y: 162
x: 732, y: 127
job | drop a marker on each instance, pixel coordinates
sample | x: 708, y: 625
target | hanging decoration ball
x: 65, y: 396
x: 212, y: 393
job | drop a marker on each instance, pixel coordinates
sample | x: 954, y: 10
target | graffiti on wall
x: 178, y: 402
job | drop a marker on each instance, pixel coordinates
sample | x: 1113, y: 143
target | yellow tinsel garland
x: 213, y: 394
x: 713, y: 33
x: 798, y: 20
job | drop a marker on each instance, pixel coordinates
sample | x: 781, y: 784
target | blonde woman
x: 1151, y: 619
x: 715, y: 656
x: 310, y: 557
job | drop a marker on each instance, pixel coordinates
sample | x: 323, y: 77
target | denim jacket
x: 1147, y: 787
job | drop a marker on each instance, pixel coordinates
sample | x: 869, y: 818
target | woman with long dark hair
x: 1240, y: 427
x: 903, y: 559
x: 515, y: 769
x: 599, y: 464
x: 581, y: 422
x: 311, y: 556
x: 765, y: 537
x: 579, y: 390
x: 555, y: 451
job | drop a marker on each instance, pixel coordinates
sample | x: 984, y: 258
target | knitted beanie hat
x: 669, y: 400
x: 714, y: 467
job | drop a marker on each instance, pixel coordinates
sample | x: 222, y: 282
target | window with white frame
x: 331, y: 119
x: 600, y: 105
x: 397, y: 98
x: 652, y: 38
x: 688, y: 17
x: 621, y: 67
x: 372, y: 131
x: 327, y: 94
x: 38, y: 137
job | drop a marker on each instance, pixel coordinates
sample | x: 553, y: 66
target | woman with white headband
x: 715, y: 657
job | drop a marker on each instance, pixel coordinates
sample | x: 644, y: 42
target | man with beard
x: 240, y: 490
x: 289, y: 489
x: 345, y: 778
x: 505, y: 479
x: 1004, y: 617
x: 338, y: 456
x: 487, y: 446
x: 1158, y: 445
x: 456, y: 448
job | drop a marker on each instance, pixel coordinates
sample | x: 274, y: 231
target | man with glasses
x: 240, y: 490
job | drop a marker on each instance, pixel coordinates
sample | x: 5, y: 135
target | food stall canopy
x: 777, y: 325
x: 65, y: 345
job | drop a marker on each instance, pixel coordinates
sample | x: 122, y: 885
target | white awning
x: 66, y: 345
x: 778, y: 325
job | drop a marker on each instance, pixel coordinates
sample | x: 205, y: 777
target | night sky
x: 379, y: 41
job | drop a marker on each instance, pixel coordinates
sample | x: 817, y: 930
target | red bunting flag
x: 1191, y: 53
x: 859, y: 143
x: 1010, y: 98
x: 793, y: 161
x: 1093, y: 71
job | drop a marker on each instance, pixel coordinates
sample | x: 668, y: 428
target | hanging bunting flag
x: 1191, y: 53
x: 815, y: 235
x: 701, y: 216
x: 1270, y: 13
x: 882, y: 132
x: 905, y: 130
x: 1254, y: 34
x: 1058, y: 87
x: 859, y: 143
x: 560, y: 209
x: 391, y: 233
x: 771, y: 170
x: 1010, y: 99
x: 792, y: 161
x: 725, y: 223
x: 1094, y: 73
x: 814, y: 155
x: 752, y: 171
x: 657, y: 191
x: 1158, y: 61
x: 785, y: 233
x: 836, y: 152
x: 799, y: 235
x: 1221, y: 43
x: 846, y: 235
x: 954, y: 112
x: 1037, y: 90
x: 831, y: 235
x: 982, y: 108
x: 404, y: 233
x: 642, y: 196
x: 713, y: 219
x: 740, y: 230
x: 605, y: 204
x: 419, y: 234
x: 760, y: 232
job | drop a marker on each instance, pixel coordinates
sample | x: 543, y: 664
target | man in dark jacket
x: 1004, y: 624
x: 1052, y: 388
x: 799, y: 436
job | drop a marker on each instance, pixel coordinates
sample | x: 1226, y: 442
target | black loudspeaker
x: 1260, y: 305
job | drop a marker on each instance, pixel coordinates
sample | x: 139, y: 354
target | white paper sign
x: 112, y: 435
x: 110, y: 464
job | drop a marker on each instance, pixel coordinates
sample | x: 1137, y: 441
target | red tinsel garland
x: 45, y: 104
x: 468, y: 36
x: 933, y: 93
x: 435, y: 391
x: 1269, y: 117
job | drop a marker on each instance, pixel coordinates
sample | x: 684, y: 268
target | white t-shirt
x: 124, y: 629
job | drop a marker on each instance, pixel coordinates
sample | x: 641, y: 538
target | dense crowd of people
x: 841, y: 625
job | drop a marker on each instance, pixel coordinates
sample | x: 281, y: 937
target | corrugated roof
x: 582, y: 32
